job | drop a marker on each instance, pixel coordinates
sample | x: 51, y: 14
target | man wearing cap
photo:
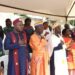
x: 58, y: 62
x: 16, y: 42
x: 40, y: 56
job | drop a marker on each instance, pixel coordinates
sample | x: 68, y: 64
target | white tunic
x: 48, y: 38
x: 60, y: 61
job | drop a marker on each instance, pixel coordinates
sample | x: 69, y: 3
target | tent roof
x: 56, y: 7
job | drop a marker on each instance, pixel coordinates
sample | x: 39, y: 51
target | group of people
x: 48, y: 45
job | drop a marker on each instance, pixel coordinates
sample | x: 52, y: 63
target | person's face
x: 45, y: 26
x: 28, y: 22
x: 40, y: 29
x: 19, y: 26
x: 58, y: 30
x: 73, y: 30
x: 8, y: 23
x: 68, y: 32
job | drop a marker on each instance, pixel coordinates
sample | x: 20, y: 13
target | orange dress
x: 1, y: 71
x: 69, y: 53
x: 40, y: 56
x: 72, y: 56
x: 67, y: 41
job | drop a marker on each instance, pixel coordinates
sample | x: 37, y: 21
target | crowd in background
x: 56, y: 40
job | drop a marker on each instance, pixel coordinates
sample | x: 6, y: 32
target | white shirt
x: 49, y: 40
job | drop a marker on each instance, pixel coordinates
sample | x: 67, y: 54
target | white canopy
x: 55, y: 7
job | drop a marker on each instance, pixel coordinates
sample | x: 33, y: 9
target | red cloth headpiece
x: 16, y: 21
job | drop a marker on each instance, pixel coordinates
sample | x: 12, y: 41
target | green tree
x: 21, y: 15
x: 72, y: 22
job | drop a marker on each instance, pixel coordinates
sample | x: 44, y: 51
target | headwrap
x: 16, y: 21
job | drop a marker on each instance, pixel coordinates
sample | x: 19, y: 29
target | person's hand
x: 42, y: 37
x: 46, y: 33
x: 48, y: 61
x: 21, y: 42
x: 24, y: 41
x: 62, y: 42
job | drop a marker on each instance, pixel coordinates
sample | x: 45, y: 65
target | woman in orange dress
x: 40, y: 55
x: 72, y: 50
x: 68, y: 41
